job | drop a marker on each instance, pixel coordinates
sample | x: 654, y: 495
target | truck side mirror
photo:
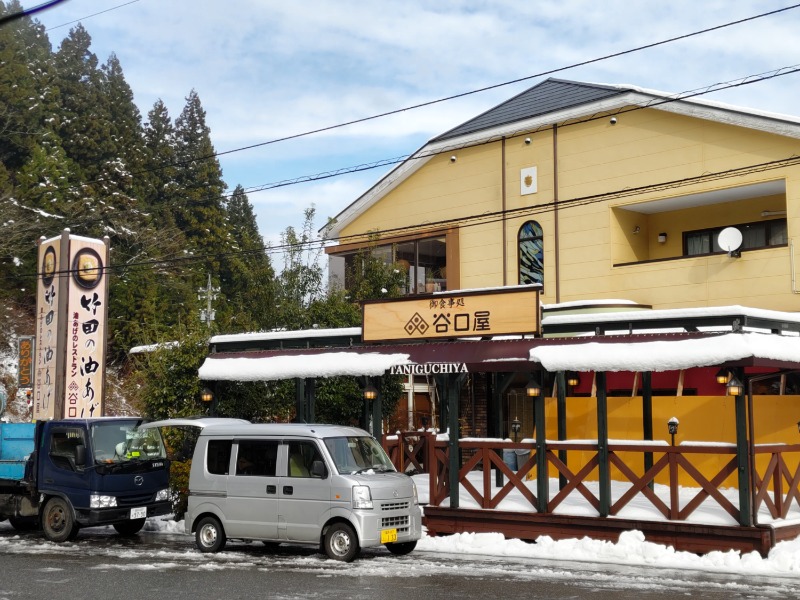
x: 80, y: 457
x: 318, y: 469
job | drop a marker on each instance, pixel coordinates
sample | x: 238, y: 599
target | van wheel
x: 58, y: 523
x: 130, y: 527
x: 402, y: 548
x: 209, y: 536
x: 341, y: 542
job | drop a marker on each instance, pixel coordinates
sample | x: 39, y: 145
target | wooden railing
x: 775, y: 475
x: 777, y: 486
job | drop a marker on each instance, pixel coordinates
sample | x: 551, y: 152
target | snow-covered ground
x: 631, y: 549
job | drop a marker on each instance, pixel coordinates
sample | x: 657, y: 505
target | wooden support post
x: 377, y: 411
x: 647, y: 419
x: 743, y: 457
x: 310, y: 394
x: 300, y: 400
x: 561, y: 416
x: 451, y: 386
x: 501, y: 382
x: 542, y: 478
x: 604, y: 470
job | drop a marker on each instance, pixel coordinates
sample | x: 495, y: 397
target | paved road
x: 157, y: 565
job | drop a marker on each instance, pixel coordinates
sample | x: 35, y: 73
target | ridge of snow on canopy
x: 326, y: 364
x: 660, y: 356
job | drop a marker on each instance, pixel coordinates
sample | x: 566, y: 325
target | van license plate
x: 388, y: 536
x: 140, y: 512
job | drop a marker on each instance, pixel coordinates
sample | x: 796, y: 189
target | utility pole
x: 207, y: 314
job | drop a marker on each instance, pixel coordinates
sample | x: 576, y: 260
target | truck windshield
x: 122, y: 441
x: 358, y: 455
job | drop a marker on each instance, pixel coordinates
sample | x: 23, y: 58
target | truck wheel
x: 209, y: 536
x: 401, y: 548
x: 58, y: 523
x: 23, y: 523
x: 130, y: 527
x: 341, y: 542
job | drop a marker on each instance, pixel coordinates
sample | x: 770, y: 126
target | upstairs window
x: 531, y: 253
x: 765, y: 234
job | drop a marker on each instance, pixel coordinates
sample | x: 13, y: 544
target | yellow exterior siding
x: 606, y: 249
x: 604, y: 194
x: 702, y: 419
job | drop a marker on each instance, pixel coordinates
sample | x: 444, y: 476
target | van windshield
x: 358, y: 455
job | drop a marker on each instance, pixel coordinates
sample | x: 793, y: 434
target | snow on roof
x: 675, y: 313
x: 152, y: 347
x: 326, y: 364
x: 286, y: 335
x: 660, y: 356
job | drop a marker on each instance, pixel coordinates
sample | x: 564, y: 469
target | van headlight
x: 362, y: 497
x: 98, y: 501
x: 162, y: 495
x: 414, y: 493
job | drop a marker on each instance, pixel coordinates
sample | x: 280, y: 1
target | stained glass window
x: 531, y: 253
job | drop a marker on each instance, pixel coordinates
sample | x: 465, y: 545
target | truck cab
x: 86, y: 472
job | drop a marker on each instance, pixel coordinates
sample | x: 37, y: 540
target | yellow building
x: 671, y: 223
x: 600, y: 192
x: 596, y: 192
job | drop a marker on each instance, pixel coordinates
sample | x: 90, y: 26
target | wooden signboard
x: 479, y: 313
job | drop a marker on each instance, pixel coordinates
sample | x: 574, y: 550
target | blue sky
x: 266, y: 69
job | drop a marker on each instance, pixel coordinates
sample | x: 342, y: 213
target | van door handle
x: 288, y: 490
x: 271, y: 489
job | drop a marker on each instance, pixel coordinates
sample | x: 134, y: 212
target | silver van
x: 325, y: 485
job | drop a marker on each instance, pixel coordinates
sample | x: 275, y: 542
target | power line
x: 655, y: 102
x: 30, y: 11
x: 459, y: 95
x: 476, y: 220
x: 91, y: 15
x: 506, y: 83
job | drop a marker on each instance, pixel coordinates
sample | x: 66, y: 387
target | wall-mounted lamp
x: 370, y: 392
x: 735, y: 387
x: 662, y: 237
x: 453, y: 158
x: 613, y: 120
x: 527, y: 141
x: 206, y: 395
x: 573, y: 379
x: 672, y: 428
x: 533, y: 389
x: 636, y: 230
x: 515, y: 426
x: 723, y: 376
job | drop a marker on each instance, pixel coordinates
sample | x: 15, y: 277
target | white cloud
x: 269, y: 70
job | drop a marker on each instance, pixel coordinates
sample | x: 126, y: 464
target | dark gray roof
x: 549, y: 96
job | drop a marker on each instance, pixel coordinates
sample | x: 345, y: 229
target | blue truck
x: 63, y: 475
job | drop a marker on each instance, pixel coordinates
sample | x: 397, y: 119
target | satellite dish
x: 730, y: 240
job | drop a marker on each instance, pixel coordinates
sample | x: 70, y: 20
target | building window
x: 765, y: 234
x: 531, y: 254
x: 423, y: 263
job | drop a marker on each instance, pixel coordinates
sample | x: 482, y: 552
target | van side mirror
x: 318, y: 469
x: 80, y: 457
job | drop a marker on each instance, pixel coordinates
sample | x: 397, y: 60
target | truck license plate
x: 140, y: 512
x: 388, y: 536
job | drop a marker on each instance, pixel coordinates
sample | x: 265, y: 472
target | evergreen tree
x: 84, y: 127
x: 27, y: 93
x: 247, y: 277
x: 201, y: 214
